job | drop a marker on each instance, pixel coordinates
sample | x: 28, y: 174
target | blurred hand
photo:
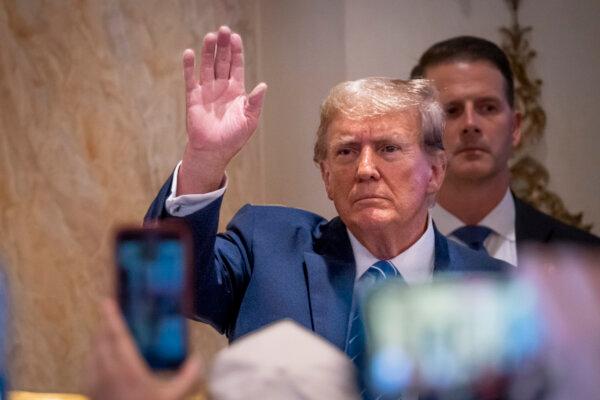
x: 221, y: 117
x: 118, y: 372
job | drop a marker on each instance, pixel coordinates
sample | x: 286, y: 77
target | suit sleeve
x: 221, y: 261
x: 157, y: 209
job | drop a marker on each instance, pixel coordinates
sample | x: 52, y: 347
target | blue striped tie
x: 355, y: 347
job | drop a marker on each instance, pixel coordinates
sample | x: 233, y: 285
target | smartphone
x: 450, y: 336
x: 154, y: 275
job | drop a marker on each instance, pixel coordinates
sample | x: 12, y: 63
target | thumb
x: 255, y: 101
x: 187, y: 379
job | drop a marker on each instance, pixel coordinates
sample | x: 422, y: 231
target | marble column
x: 91, y: 123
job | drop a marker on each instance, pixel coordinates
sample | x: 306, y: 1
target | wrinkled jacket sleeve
x: 221, y: 261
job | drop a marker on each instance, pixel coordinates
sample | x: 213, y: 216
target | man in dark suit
x: 476, y: 88
x: 379, y: 148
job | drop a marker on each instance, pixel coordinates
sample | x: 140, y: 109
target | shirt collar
x: 501, y: 219
x: 415, y: 264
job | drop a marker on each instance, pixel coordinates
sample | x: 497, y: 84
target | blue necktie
x: 355, y: 347
x: 473, y: 236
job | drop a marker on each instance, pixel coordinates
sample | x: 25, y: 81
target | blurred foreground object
x: 456, y: 338
x: 153, y: 267
x: 282, y: 361
x: 534, y: 335
x: 19, y: 395
x: 4, y: 332
x: 568, y: 282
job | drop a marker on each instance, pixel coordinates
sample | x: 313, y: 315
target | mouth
x: 369, y: 198
x: 471, y: 150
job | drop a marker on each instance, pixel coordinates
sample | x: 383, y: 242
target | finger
x: 119, y: 340
x: 255, y: 100
x: 114, y: 324
x: 103, y: 362
x: 103, y: 350
x: 237, y: 59
x: 207, y: 58
x: 94, y: 364
x: 187, y: 379
x: 223, y: 56
x: 188, y: 69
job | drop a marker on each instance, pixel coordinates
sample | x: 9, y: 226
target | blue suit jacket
x: 276, y: 262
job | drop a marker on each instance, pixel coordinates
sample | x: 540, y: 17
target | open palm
x: 220, y: 116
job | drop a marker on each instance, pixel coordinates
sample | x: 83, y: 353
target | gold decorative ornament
x: 529, y: 178
x: 529, y: 182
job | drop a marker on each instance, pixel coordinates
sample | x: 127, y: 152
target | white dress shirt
x: 501, y: 243
x: 415, y: 264
x: 181, y: 206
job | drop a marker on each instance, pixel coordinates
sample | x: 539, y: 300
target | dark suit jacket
x: 276, y: 262
x: 533, y: 226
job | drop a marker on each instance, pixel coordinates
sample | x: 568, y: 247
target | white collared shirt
x: 501, y: 243
x: 415, y: 264
x: 181, y: 206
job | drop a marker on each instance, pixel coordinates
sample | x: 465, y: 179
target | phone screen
x: 152, y: 287
x: 450, y: 334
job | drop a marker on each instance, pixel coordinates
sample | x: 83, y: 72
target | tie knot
x: 376, y: 274
x: 473, y: 235
x: 380, y: 271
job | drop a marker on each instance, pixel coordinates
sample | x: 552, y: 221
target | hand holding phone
x: 119, y: 373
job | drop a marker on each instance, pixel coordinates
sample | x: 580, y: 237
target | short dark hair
x: 468, y: 48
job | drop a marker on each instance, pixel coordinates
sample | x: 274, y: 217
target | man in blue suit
x: 379, y: 149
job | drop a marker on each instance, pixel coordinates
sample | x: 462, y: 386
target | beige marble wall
x: 91, y: 123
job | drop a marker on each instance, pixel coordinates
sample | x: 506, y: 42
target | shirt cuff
x: 184, y: 205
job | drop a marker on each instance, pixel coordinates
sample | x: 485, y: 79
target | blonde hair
x: 376, y: 97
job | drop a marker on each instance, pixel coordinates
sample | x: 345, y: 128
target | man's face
x: 481, y: 127
x: 377, y: 173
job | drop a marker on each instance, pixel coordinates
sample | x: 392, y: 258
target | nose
x: 367, y: 166
x: 470, y: 120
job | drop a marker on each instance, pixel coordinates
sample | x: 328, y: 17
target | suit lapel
x: 528, y: 224
x: 330, y: 272
x: 441, y: 261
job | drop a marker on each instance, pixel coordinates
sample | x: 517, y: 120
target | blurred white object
x: 282, y: 361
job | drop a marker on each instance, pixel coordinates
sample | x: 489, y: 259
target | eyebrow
x: 389, y: 136
x: 476, y: 99
x: 489, y: 98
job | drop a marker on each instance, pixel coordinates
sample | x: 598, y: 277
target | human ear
x: 516, y: 129
x: 325, y: 175
x: 438, y: 163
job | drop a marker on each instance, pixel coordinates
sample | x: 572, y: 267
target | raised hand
x: 221, y: 117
